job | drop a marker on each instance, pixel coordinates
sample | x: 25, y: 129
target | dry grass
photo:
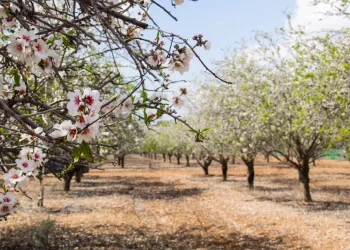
x: 172, y: 207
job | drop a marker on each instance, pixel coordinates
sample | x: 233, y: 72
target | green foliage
x: 86, y: 151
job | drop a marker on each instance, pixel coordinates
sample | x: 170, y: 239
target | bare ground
x: 173, y: 207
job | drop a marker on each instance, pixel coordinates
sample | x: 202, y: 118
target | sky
x: 226, y: 22
x: 223, y: 24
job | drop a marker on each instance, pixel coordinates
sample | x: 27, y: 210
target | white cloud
x: 314, y: 18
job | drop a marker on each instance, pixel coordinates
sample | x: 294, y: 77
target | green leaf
x: 66, y: 41
x: 16, y: 77
x: 86, y: 151
x: 346, y: 66
x: 130, y: 86
x: 145, y: 117
x: 144, y: 96
x: 76, y: 153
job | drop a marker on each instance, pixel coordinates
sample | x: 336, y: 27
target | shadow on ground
x: 137, y: 187
x: 126, y: 237
x: 282, y: 194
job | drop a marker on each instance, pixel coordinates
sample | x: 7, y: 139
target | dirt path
x: 171, y: 207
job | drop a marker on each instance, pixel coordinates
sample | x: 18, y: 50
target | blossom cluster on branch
x: 72, y: 72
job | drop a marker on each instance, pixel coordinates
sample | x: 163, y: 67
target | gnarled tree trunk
x: 170, y: 155
x: 164, y: 158
x: 249, y: 162
x: 206, y: 163
x: 187, y: 160
x: 178, y: 157
x: 305, y: 180
x: 251, y: 174
x: 224, y: 166
x: 206, y: 170
x: 122, y: 161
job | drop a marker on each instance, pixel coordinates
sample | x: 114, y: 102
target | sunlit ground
x: 173, y: 207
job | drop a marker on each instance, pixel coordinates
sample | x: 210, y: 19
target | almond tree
x: 67, y: 65
x: 300, y: 98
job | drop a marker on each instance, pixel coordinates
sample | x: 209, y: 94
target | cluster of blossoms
x: 130, y: 9
x: 177, y: 101
x: 85, y: 107
x: 123, y: 106
x: 200, y: 42
x: 158, y: 56
x: 28, y: 163
x: 7, y: 204
x: 31, y: 138
x: 181, y: 58
x: 28, y: 48
x: 6, y: 19
x: 6, y: 92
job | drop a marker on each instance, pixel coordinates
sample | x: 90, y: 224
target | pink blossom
x: 38, y: 155
x: 8, y: 21
x: 25, y: 165
x: 22, y: 88
x: 14, y: 176
x: 27, y: 35
x: 75, y: 105
x: 6, y: 93
x: 8, y: 197
x: 6, y: 209
x: 92, y: 99
x: 89, y: 133
x: 41, y: 49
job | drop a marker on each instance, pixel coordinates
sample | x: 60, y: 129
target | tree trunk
x: 193, y: 156
x: 305, y: 181
x: 206, y: 170
x: 187, y: 160
x: 170, y: 155
x: 233, y: 160
x: 41, y: 195
x: 178, y: 157
x: 164, y: 158
x: 267, y: 157
x: 67, y: 178
x: 250, y: 173
x: 314, y: 162
x: 224, y: 169
x: 118, y: 160
x: 205, y: 166
x: 122, y: 161
x: 78, y: 174
x: 155, y: 156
